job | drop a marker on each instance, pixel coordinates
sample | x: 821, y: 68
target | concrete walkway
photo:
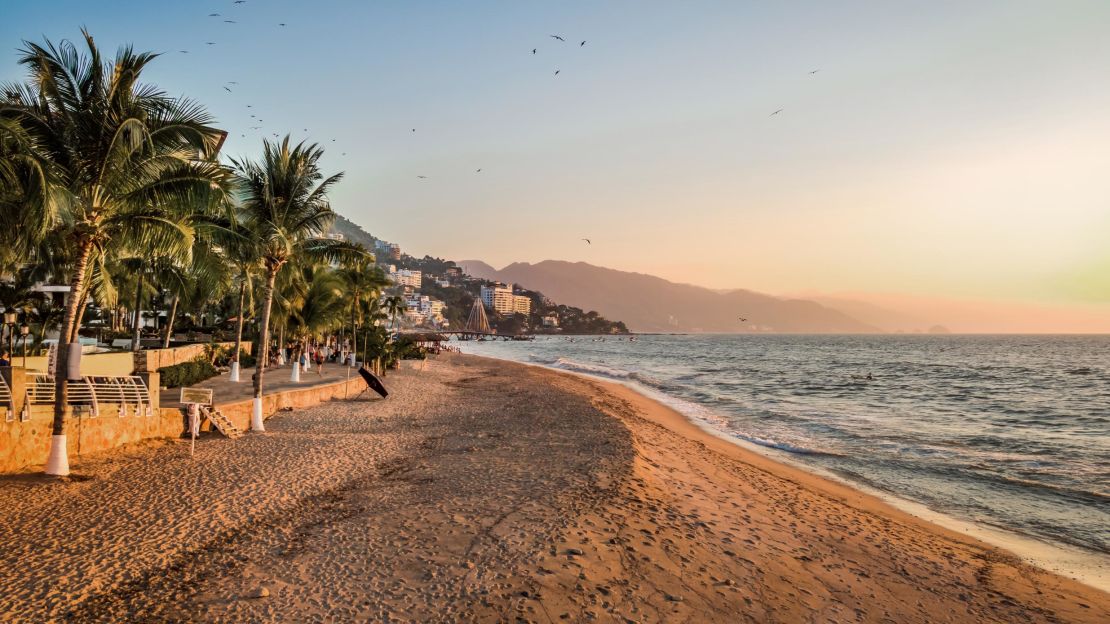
x: 275, y: 380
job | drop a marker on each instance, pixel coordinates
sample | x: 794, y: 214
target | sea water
x: 1007, y: 431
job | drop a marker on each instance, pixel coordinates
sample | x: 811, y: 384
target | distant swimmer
x: 869, y: 377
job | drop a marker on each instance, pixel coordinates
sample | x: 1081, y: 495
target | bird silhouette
x: 240, y: 1
x: 582, y: 44
x: 743, y: 320
x: 775, y: 113
x: 226, y: 89
x: 815, y: 71
x: 423, y: 177
x: 478, y: 171
x: 587, y: 241
x: 558, y: 37
x: 183, y: 51
x: 556, y: 72
x: 210, y: 43
x: 213, y: 15
x: 533, y: 50
x: 230, y: 22
x: 414, y: 129
x: 232, y: 82
x: 281, y: 24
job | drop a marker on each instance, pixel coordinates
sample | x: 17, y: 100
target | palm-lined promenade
x: 113, y: 187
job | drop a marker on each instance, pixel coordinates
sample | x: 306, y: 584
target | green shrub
x: 187, y: 373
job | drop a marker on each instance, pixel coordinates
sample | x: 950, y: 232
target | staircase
x: 220, y: 422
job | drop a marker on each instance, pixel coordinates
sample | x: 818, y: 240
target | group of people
x: 314, y: 354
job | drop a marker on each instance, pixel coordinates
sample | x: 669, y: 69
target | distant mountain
x: 651, y: 304
x: 885, y: 318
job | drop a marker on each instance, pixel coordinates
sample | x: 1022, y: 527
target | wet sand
x: 489, y: 491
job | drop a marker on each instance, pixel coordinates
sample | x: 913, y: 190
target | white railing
x: 126, y: 392
x: 6, y: 398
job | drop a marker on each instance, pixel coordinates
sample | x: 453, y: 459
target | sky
x: 945, y: 150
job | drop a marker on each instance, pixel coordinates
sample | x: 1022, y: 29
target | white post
x: 296, y: 374
x: 256, y: 416
x: 57, y: 462
x: 194, y: 426
x: 234, y: 372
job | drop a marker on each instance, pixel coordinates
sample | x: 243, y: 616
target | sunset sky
x: 945, y: 149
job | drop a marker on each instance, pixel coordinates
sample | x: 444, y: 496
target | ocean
x: 1007, y: 431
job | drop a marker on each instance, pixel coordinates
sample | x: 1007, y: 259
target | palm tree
x: 126, y: 159
x: 394, y: 305
x: 364, y: 282
x: 285, y: 207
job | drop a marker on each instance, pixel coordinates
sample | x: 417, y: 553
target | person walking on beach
x: 320, y: 362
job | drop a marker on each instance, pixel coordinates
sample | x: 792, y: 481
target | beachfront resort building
x: 499, y: 298
x: 522, y: 305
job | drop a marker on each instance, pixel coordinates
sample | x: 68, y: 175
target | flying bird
x: 587, y: 241
x: 582, y: 44
x: 232, y: 82
x: 230, y: 22
x: 281, y: 24
x: 743, y: 320
x: 557, y: 37
x: 478, y: 171
x: 210, y: 43
x: 775, y: 113
x: 183, y: 51
x: 423, y: 177
x: 533, y: 50
x: 226, y: 89
x: 240, y: 1
x: 815, y: 71
x: 414, y: 129
x: 213, y: 15
x: 556, y: 72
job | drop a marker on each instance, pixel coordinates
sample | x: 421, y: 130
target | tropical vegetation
x: 115, y: 192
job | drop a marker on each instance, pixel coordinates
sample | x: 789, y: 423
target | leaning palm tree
x: 127, y: 160
x: 285, y: 207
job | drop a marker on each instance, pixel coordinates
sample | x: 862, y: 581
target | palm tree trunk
x: 169, y: 323
x: 57, y: 462
x: 239, y: 327
x: 137, y: 321
x: 264, y: 328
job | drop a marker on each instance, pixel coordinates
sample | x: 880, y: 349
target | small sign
x: 200, y: 396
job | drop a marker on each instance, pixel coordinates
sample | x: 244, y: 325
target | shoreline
x: 1083, y: 566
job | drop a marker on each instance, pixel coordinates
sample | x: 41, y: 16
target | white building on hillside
x: 499, y: 298
x: 404, y: 277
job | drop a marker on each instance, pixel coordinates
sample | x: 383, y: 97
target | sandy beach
x: 489, y: 491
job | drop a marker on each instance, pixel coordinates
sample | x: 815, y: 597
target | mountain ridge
x: 648, y: 303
